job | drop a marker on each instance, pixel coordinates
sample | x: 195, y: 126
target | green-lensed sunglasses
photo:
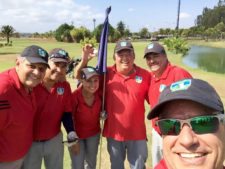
x: 199, y: 124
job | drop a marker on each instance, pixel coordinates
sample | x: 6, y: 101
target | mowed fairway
x: 8, y: 56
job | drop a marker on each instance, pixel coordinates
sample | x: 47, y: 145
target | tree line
x: 209, y: 25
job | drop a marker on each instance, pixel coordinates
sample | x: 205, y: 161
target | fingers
x: 88, y: 47
x: 88, y: 52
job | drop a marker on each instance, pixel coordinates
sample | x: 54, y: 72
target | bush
x: 177, y: 45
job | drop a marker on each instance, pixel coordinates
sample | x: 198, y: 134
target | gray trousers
x: 50, y: 151
x: 12, y: 165
x: 136, y: 151
x: 87, y: 157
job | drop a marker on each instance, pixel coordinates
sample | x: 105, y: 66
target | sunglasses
x: 199, y: 124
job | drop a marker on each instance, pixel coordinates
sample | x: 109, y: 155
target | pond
x: 206, y: 58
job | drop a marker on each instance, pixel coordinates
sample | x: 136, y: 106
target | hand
x: 88, y: 52
x: 103, y: 115
x: 75, y: 149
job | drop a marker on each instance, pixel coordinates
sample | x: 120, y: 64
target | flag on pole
x: 102, y: 51
x: 101, y: 68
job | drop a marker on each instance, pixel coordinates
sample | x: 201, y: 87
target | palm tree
x: 7, y: 31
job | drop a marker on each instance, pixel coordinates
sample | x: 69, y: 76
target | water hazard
x: 206, y: 58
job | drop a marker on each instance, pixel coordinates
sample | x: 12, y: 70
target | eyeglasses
x: 199, y: 124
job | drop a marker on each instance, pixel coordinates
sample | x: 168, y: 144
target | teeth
x: 193, y: 155
x: 154, y: 67
x: 33, y: 77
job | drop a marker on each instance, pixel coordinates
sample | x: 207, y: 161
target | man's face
x: 57, y: 70
x: 189, y: 150
x: 30, y: 74
x: 156, y: 63
x: 124, y: 60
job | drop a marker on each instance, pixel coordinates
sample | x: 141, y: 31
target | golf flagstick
x: 101, y: 68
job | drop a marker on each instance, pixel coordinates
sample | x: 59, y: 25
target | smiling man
x: 192, y: 124
x: 53, y: 106
x: 163, y: 74
x: 126, y: 91
x: 18, y: 105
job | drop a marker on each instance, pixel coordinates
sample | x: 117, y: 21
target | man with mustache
x: 163, y: 74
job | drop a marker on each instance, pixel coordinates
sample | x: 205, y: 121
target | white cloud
x: 184, y: 15
x: 45, y: 15
x: 131, y: 10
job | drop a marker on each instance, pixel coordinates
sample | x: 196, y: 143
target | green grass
x: 8, y: 56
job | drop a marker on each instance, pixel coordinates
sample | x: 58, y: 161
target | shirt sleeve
x: 181, y: 74
x: 5, y: 107
x: 68, y: 99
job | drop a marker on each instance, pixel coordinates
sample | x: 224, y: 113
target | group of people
x: 187, y: 114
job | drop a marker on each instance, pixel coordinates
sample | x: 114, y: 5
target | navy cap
x: 189, y: 89
x: 35, y: 54
x: 123, y: 44
x: 154, y: 47
x: 59, y: 55
x: 88, y: 72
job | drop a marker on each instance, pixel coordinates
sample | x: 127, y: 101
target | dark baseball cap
x: 123, y: 44
x: 189, y: 89
x: 35, y: 54
x: 88, y: 72
x: 59, y: 55
x: 154, y: 47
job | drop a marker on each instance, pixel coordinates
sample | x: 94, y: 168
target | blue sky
x: 45, y: 15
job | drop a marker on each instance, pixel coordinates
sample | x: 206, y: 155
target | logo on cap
x: 181, y: 85
x: 150, y: 46
x: 123, y: 44
x: 90, y: 70
x: 62, y: 52
x: 41, y: 52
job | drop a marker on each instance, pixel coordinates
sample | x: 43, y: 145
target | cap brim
x: 36, y: 60
x: 59, y: 60
x: 151, y: 52
x: 91, y: 76
x: 125, y: 48
x: 156, y: 110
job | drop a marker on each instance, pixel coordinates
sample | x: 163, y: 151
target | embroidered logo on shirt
x: 138, y: 79
x: 60, y: 90
x: 162, y: 87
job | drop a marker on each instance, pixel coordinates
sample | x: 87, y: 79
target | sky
x: 29, y: 16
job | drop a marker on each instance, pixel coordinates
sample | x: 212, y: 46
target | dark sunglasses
x: 199, y: 124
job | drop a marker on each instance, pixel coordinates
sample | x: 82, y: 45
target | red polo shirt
x: 162, y: 165
x: 17, y: 110
x: 86, y: 118
x: 50, y: 108
x: 125, y: 98
x: 170, y: 75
